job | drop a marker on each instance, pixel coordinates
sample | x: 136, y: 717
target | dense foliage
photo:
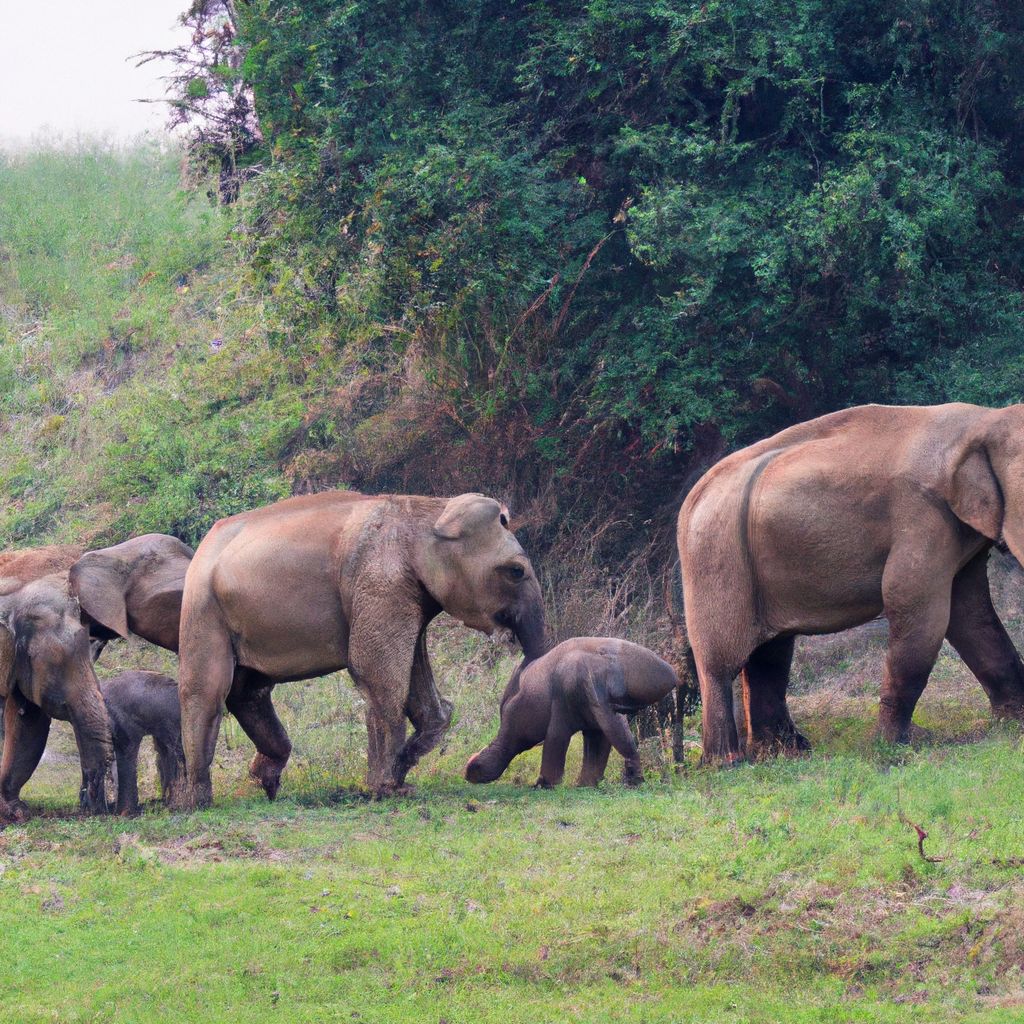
x: 565, y: 253
x: 642, y: 231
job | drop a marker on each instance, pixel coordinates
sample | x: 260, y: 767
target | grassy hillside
x: 135, y: 393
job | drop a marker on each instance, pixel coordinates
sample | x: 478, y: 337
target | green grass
x: 791, y: 891
x: 136, y: 389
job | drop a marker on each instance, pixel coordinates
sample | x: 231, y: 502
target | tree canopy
x: 642, y: 232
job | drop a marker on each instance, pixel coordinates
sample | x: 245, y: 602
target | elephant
x: 872, y: 510
x: 135, y: 586
x: 143, y: 704
x: 333, y: 580
x: 587, y: 684
x: 46, y: 672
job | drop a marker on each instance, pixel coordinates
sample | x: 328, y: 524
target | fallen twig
x: 921, y: 837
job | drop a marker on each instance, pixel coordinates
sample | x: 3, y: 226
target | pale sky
x: 64, y: 67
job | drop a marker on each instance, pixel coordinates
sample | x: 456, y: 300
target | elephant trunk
x: 95, y: 746
x: 528, y: 624
x: 488, y: 764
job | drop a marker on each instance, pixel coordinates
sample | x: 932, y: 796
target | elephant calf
x: 585, y: 684
x: 144, y: 704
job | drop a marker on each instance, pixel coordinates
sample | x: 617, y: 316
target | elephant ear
x: 134, y: 587
x: 100, y: 582
x: 975, y: 495
x: 467, y: 513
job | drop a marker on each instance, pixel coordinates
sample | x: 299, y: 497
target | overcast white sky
x: 64, y: 66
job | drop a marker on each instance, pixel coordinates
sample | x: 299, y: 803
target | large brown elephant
x: 337, y: 580
x: 876, y: 509
x: 55, y: 600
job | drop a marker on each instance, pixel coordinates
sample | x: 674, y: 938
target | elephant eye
x: 514, y: 571
x: 503, y: 519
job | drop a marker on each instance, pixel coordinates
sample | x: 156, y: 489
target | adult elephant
x: 46, y: 672
x: 876, y: 509
x: 321, y: 582
x: 53, y: 602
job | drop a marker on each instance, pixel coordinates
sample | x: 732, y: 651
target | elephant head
x: 472, y: 565
x: 45, y: 661
x: 524, y: 722
x: 133, y: 587
x: 985, y: 487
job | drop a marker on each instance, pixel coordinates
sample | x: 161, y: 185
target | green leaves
x: 681, y: 218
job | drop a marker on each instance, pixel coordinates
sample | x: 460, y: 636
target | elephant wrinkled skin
x: 874, y: 510
x: 336, y: 580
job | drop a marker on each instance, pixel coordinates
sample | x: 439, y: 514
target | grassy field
x: 791, y: 891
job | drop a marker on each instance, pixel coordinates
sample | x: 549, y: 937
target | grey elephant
x: 337, y: 580
x: 45, y: 673
x: 873, y: 510
x: 587, y: 684
x: 141, y: 704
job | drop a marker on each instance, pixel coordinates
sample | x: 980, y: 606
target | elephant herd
x: 875, y: 510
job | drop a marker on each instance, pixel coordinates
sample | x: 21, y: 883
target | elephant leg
x: 719, y: 737
x: 385, y: 727
x: 616, y: 730
x: 770, y: 728
x: 916, y: 629
x: 980, y: 639
x: 596, y: 748
x: 170, y: 765
x: 207, y: 667
x: 26, y: 728
x: 429, y: 712
x: 250, y: 702
x: 382, y: 655
x: 127, y: 757
x: 556, y: 746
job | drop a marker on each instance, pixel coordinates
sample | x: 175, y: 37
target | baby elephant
x: 584, y: 684
x: 144, y: 704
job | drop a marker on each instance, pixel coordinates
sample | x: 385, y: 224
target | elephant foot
x: 788, y: 743
x: 632, y: 777
x: 424, y: 739
x: 391, y: 789
x: 13, y: 812
x: 1008, y: 712
x: 267, y: 772
x: 727, y: 759
x: 192, y: 798
x: 891, y: 730
x: 92, y: 797
x: 543, y: 783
